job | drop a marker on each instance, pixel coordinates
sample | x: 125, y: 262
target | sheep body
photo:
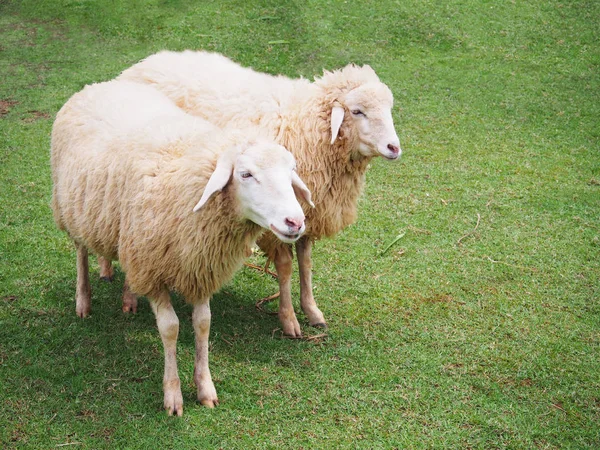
x: 133, y: 208
x: 315, y: 121
x: 128, y: 167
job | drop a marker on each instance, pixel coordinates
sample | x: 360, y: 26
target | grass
x: 478, y: 328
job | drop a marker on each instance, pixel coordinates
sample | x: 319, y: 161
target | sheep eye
x: 246, y: 175
x: 358, y: 112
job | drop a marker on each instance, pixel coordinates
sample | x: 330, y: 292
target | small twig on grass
x: 259, y: 304
x: 532, y: 269
x: 400, y: 236
x: 554, y: 405
x: 262, y: 269
x: 68, y: 443
x: 470, y: 233
x: 317, y: 337
x: 285, y: 336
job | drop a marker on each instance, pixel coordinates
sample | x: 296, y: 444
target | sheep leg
x: 287, y: 316
x: 207, y: 394
x: 83, y: 294
x: 106, y: 269
x: 129, y: 299
x: 168, y: 327
x: 307, y: 301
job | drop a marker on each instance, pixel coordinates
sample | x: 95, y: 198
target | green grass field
x: 479, y: 328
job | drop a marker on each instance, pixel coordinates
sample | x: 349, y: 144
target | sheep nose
x: 394, y: 149
x: 294, y: 223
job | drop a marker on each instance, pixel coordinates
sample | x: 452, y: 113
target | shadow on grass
x: 51, y: 357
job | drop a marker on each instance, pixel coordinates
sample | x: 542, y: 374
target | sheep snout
x: 292, y: 231
x: 394, y: 151
x: 294, y: 224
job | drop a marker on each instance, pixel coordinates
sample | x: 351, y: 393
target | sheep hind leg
x: 207, y: 394
x: 83, y: 296
x: 307, y: 301
x: 287, y: 316
x: 168, y: 327
x: 129, y: 299
x: 106, y: 269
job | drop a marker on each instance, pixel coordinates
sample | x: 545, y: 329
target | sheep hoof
x: 293, y: 333
x: 209, y: 403
x: 129, y: 308
x: 290, y: 325
x: 174, y: 403
x: 107, y: 278
x: 175, y: 411
x: 83, y: 310
x: 207, y: 394
x: 129, y: 301
x: 321, y: 325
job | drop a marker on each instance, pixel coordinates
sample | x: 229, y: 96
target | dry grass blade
x: 316, y: 338
x: 493, y: 261
x: 470, y: 233
x: 259, y: 304
x: 556, y: 406
x: 264, y: 269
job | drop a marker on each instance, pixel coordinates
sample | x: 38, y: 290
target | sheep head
x: 264, y: 181
x: 362, y: 106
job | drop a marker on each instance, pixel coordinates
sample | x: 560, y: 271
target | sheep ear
x: 301, y: 189
x: 337, y: 117
x: 219, y: 178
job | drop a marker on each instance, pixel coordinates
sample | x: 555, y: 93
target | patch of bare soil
x: 36, y: 115
x: 6, y: 105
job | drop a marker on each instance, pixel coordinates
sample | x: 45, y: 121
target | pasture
x: 464, y: 303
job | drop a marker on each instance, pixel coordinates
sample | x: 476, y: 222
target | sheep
x: 128, y: 167
x: 334, y: 126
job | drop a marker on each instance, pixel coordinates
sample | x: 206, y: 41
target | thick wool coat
x: 294, y: 112
x: 127, y: 193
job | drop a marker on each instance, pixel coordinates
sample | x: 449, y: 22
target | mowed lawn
x: 478, y: 328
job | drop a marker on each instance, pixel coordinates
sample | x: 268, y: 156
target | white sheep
x: 333, y: 126
x: 128, y: 169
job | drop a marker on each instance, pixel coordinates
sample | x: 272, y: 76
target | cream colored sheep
x: 175, y: 200
x: 333, y: 126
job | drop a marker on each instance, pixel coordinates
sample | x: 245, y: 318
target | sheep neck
x: 217, y: 254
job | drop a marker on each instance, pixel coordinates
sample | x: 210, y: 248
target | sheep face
x: 265, y: 183
x: 370, y: 109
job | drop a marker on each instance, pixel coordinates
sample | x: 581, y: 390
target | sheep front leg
x: 207, y: 394
x: 307, y: 301
x: 168, y: 327
x: 106, y: 269
x: 83, y: 293
x: 287, y: 316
